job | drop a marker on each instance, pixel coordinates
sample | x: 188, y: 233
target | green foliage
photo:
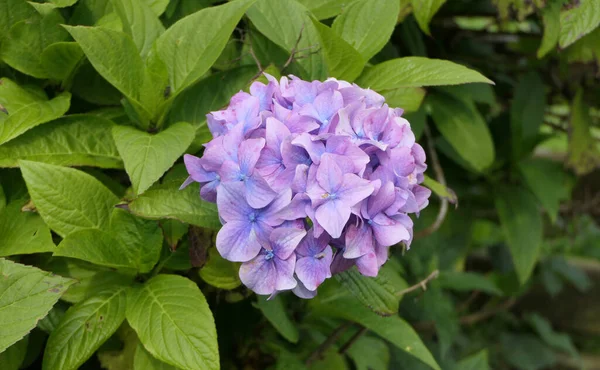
x: 100, y: 100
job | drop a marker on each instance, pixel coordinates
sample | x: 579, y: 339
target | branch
x: 439, y: 174
x: 294, y: 49
x: 352, y: 340
x: 333, y: 337
x: 421, y: 284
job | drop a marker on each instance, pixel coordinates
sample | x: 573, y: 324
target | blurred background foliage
x: 505, y: 266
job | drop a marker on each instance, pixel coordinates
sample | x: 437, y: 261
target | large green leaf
x: 90, y: 279
x: 548, y: 181
x: 467, y: 281
x: 130, y: 242
x: 274, y: 311
x: 174, y: 323
x: 465, y: 129
x: 417, y: 72
x: 367, y: 25
x: 343, y: 61
x: 551, y: 18
x: 424, y: 10
x: 84, y: 328
x: 207, y: 95
x: 26, y: 296
x: 143, y: 360
x: 578, y: 22
x: 78, y: 140
x: 407, y: 98
x: 166, y: 201
x: 147, y: 157
x: 527, y: 112
x: 522, y: 226
x: 584, y: 155
x: 379, y: 293
x: 23, y: 232
x: 67, y: 199
x: 193, y: 44
x: 12, y: 358
x: 13, y: 11
x: 559, y: 341
x: 105, y: 49
x: 140, y: 22
x: 23, y: 45
x: 61, y: 59
x: 220, y: 272
x: 287, y: 23
x: 477, y: 361
x: 370, y: 353
x: 27, y: 109
x: 332, y: 303
x: 323, y: 9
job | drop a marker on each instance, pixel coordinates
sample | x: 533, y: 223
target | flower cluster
x: 310, y: 178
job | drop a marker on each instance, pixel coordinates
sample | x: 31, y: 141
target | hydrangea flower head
x: 310, y: 179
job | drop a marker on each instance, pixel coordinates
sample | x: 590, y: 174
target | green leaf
x: 323, y: 9
x: 85, y: 327
x: 12, y: 358
x: 370, y: 353
x: 130, y: 242
x: 26, y: 296
x: 407, y: 98
x: 166, y: 201
x: 548, y: 182
x: 343, y: 61
x: 578, y: 22
x: 174, y: 323
x: 378, y: 293
x: 23, y: 232
x: 67, y: 199
x: 440, y: 190
x: 425, y: 10
x: 583, y: 152
x: 194, y: 43
x: 49, y: 323
x: 477, y: 92
x: 220, y: 272
x: 207, y: 95
x: 2, y: 198
x: 90, y: 279
x: 143, y: 360
x: 526, y: 352
x: 23, y: 45
x: 522, y: 226
x: 147, y: 157
x: 551, y: 18
x: 333, y: 302
x: 105, y: 48
x: 287, y: 23
x: 466, y: 282
x: 140, y: 22
x: 61, y: 59
x: 561, y: 342
x: 27, y: 110
x: 417, y: 72
x: 477, y: 361
x: 527, y: 112
x: 13, y: 11
x: 367, y: 25
x: 63, y: 3
x: 275, y: 312
x: 78, y: 140
x: 465, y: 129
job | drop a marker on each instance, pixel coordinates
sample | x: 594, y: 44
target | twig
x: 333, y: 337
x: 352, y: 340
x: 421, y: 284
x: 293, y: 51
x: 439, y: 174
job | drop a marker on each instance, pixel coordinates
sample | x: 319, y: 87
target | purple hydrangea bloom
x: 310, y: 179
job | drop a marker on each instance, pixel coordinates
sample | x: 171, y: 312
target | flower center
x: 320, y: 255
x: 252, y: 217
x: 269, y: 255
x: 243, y: 177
